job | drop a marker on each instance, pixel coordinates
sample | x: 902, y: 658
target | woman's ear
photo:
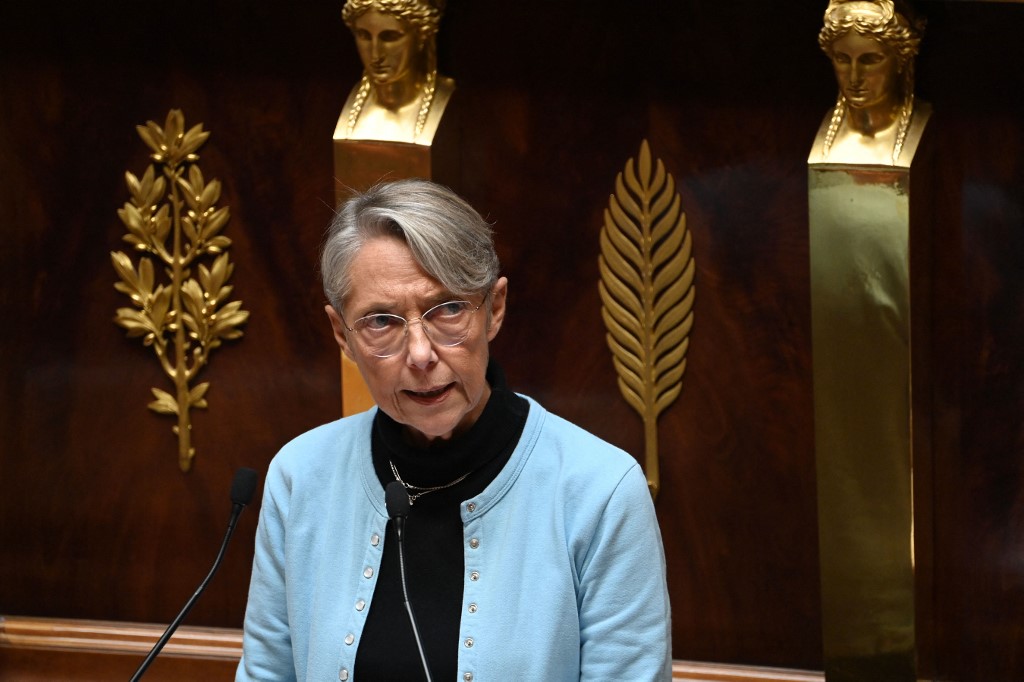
x: 338, y: 326
x: 499, y: 297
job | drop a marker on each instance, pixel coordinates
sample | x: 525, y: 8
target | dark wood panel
x: 977, y: 366
x: 979, y: 440
x: 93, y: 506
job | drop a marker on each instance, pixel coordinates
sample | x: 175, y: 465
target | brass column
x: 861, y: 211
x: 860, y: 318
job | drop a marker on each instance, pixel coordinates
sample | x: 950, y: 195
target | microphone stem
x: 399, y: 527
x: 235, y: 511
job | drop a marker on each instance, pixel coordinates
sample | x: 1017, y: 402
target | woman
x: 872, y: 48
x: 400, y: 97
x: 531, y: 547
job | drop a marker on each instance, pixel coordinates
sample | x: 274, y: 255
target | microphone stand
x: 241, y: 492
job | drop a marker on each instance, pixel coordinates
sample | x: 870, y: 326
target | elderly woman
x: 872, y: 47
x: 400, y: 97
x: 531, y: 548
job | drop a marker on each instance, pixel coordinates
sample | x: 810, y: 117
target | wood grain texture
x: 40, y: 649
x: 45, y: 649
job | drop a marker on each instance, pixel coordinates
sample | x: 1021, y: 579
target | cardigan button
x: 468, y: 677
x: 474, y: 576
x: 469, y: 642
x: 473, y: 608
x: 374, y: 539
x: 343, y: 674
x: 360, y: 604
x: 368, y: 573
x: 474, y: 543
x: 349, y: 638
x: 471, y: 507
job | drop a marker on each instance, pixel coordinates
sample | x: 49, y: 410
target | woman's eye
x: 450, y: 309
x: 379, y: 322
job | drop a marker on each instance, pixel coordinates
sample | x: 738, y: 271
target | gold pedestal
x: 870, y: 319
x: 860, y: 317
x: 865, y: 364
x: 360, y: 164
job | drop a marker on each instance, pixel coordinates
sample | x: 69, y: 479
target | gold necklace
x: 423, y: 490
x: 429, y: 88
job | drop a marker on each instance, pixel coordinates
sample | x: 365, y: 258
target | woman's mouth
x: 429, y: 396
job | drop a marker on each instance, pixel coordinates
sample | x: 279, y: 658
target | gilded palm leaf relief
x: 647, y: 293
x: 172, y: 219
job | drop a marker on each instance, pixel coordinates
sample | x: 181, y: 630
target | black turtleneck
x: 434, y: 564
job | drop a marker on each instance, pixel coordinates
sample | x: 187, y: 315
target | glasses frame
x: 405, y: 332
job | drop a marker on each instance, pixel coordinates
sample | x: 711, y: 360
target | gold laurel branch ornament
x: 647, y: 293
x: 172, y: 219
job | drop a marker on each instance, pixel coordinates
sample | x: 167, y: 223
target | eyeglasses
x: 446, y: 324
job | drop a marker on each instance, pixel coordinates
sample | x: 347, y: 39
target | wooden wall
x: 553, y: 97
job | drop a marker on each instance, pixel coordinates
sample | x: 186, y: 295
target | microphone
x: 396, y: 499
x: 242, y: 488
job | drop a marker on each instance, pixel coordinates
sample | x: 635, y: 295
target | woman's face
x: 435, y: 391
x: 866, y: 70
x: 387, y: 46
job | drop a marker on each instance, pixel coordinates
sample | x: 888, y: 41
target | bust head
x: 877, y: 33
x: 872, y: 45
x: 421, y: 17
x: 400, y: 95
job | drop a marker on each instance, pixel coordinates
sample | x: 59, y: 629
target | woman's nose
x: 420, y: 351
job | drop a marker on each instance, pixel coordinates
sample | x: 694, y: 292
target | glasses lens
x: 382, y: 334
x: 448, y: 324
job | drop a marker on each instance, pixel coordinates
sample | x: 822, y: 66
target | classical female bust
x: 872, y: 47
x: 401, y: 96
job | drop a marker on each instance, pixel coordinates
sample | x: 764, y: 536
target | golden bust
x: 872, y: 47
x: 400, y: 97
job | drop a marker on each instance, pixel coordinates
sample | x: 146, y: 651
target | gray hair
x: 447, y: 237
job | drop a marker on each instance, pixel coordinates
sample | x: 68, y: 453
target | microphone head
x: 396, y: 499
x: 243, y: 486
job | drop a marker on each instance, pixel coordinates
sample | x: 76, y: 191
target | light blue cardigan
x: 565, y: 570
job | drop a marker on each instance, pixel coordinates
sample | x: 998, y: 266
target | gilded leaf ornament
x: 647, y: 293
x: 172, y: 220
